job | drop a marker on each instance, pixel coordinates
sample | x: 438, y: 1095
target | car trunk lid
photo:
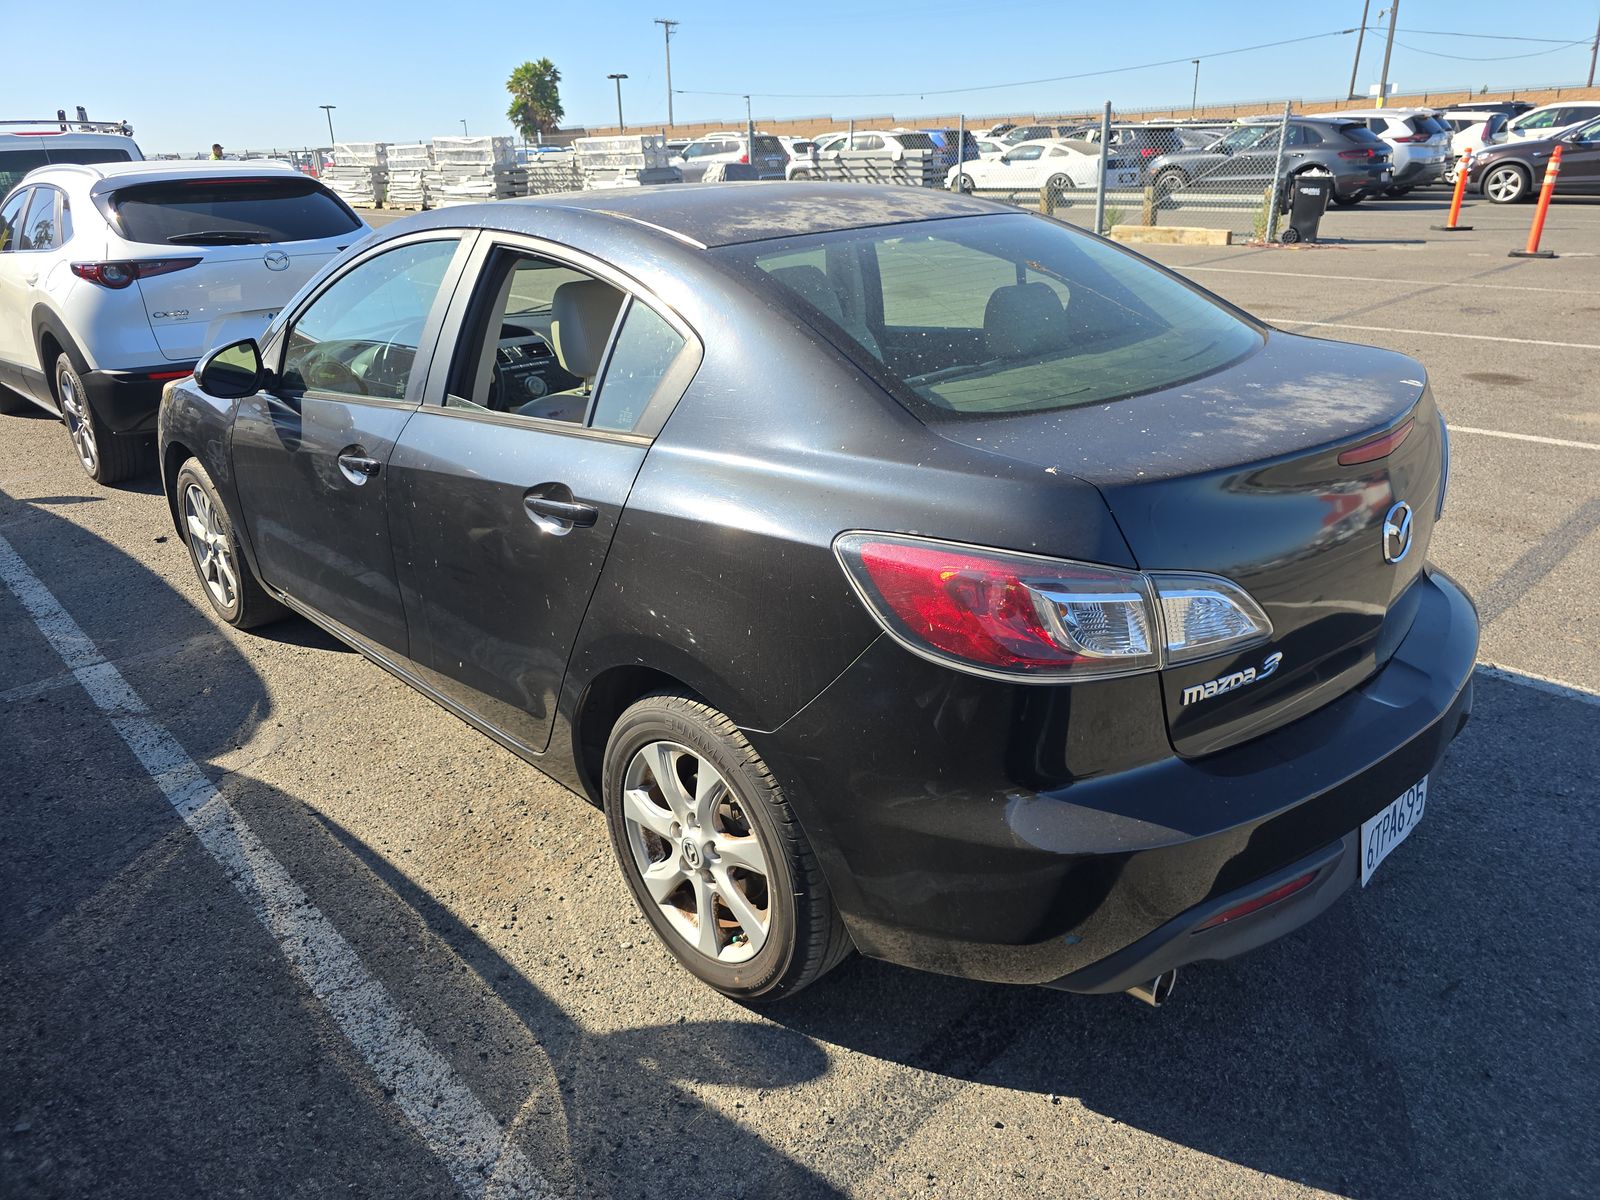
x: 1239, y: 474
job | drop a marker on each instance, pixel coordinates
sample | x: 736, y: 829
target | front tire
x: 105, y: 457
x: 1507, y: 184
x: 712, y: 853
x: 962, y: 184
x: 1168, y: 184
x: 225, y: 577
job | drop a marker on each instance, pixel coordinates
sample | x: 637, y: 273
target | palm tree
x: 535, y: 98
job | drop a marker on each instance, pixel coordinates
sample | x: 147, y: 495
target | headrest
x: 581, y: 316
x: 1024, y: 320
x: 812, y: 286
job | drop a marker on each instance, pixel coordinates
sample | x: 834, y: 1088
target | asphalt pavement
x: 272, y: 924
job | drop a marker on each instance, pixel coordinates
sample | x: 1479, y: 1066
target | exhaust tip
x: 1156, y: 992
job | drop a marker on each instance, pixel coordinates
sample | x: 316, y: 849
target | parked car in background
x: 1550, y: 119
x: 1040, y: 132
x: 1470, y: 129
x: 1419, y: 144
x: 989, y: 148
x: 25, y: 145
x: 896, y: 570
x: 1242, y: 161
x: 115, y: 277
x: 893, y: 144
x: 769, y: 157
x: 1061, y: 166
x: 1513, y: 171
x: 944, y: 141
x: 1509, y: 108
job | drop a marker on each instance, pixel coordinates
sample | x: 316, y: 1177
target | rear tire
x: 1168, y: 183
x: 963, y: 184
x: 1346, y: 201
x: 719, y: 825
x: 106, y: 457
x: 1394, y: 193
x: 225, y: 577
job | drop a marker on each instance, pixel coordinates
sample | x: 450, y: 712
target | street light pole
x: 328, y: 111
x: 619, y: 78
x: 463, y: 127
x: 1194, y: 100
x: 667, y: 26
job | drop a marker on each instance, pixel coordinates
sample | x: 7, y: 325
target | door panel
x: 494, y: 590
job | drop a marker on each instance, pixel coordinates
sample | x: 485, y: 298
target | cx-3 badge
x: 1397, y: 532
x: 276, y: 260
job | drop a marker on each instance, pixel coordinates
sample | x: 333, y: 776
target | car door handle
x: 359, y: 464
x: 573, y: 513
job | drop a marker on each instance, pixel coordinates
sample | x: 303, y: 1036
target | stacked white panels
x: 408, y: 164
x: 468, y: 170
x: 360, y: 173
x: 554, y: 171
x: 627, y: 160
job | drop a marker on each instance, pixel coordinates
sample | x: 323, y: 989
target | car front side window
x: 359, y: 337
x: 11, y: 218
x: 39, y: 230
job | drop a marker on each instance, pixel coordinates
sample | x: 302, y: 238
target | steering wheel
x: 327, y: 373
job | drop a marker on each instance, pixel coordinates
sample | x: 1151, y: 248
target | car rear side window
x: 983, y: 316
x: 15, y: 162
x: 201, y: 212
x: 359, y: 337
x: 645, y: 349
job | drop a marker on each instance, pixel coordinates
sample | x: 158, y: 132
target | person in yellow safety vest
x: 216, y: 151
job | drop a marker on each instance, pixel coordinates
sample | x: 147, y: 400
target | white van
x: 25, y: 145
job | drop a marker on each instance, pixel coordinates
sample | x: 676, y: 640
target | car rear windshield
x: 219, y: 212
x: 768, y: 145
x: 17, y: 162
x: 1358, y: 132
x: 916, y: 141
x: 983, y: 316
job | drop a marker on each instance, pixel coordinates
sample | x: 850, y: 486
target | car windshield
x: 981, y: 316
x: 198, y: 212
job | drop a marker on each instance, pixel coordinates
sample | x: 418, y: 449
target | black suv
x: 1243, y: 159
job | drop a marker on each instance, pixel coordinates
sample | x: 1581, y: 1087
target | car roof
x: 52, y: 137
x: 725, y: 214
x: 121, y: 174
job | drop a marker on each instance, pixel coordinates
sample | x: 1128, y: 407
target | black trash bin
x: 1307, y: 200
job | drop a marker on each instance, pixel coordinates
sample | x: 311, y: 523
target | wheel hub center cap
x: 693, y: 856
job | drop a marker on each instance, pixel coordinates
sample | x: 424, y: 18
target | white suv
x: 1418, y: 142
x: 115, y: 277
x: 28, y: 145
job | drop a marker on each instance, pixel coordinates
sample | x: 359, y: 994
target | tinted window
x: 359, y: 337
x: 10, y: 218
x: 646, y: 346
x: 915, y: 141
x: 230, y: 211
x: 867, y: 141
x: 1025, y: 154
x: 1360, y: 134
x: 1048, y: 318
x: 15, y: 163
x: 769, y: 145
x: 88, y: 154
x: 38, y: 229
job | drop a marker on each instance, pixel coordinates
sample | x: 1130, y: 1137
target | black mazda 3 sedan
x: 899, y: 572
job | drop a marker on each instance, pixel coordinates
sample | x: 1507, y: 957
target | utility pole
x: 328, y: 110
x: 1361, y: 35
x: 618, y: 80
x: 1194, y: 100
x: 1594, y: 52
x: 1388, y: 48
x: 750, y: 133
x: 667, y: 26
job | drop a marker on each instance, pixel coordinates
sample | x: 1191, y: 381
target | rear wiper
x: 235, y: 237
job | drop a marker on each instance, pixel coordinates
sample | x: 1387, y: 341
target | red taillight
x: 1355, y: 154
x: 1413, y: 137
x: 118, y: 275
x: 1147, y: 151
x: 1378, y: 447
x: 1260, y: 902
x: 745, y: 159
x: 163, y: 376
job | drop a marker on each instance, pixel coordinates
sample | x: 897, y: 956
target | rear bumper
x: 127, y: 400
x: 941, y: 858
x: 1417, y: 174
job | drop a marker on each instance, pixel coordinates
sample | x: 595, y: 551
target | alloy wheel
x: 75, y: 410
x: 697, y: 852
x: 213, y: 557
x: 1504, y: 185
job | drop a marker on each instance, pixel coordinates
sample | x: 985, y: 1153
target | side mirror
x: 231, y: 372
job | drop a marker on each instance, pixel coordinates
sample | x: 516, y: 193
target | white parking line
x: 449, y: 1118
x: 1526, y: 437
x: 1471, y: 337
x: 1495, y: 287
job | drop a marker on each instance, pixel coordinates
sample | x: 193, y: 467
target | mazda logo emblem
x: 1397, y: 532
x: 276, y: 260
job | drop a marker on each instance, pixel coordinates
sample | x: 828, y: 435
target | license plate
x: 1383, y: 832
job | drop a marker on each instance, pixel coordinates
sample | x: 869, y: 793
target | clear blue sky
x: 187, y: 73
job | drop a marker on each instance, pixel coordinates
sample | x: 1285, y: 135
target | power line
x: 1493, y: 37
x: 991, y: 87
x: 1493, y: 57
